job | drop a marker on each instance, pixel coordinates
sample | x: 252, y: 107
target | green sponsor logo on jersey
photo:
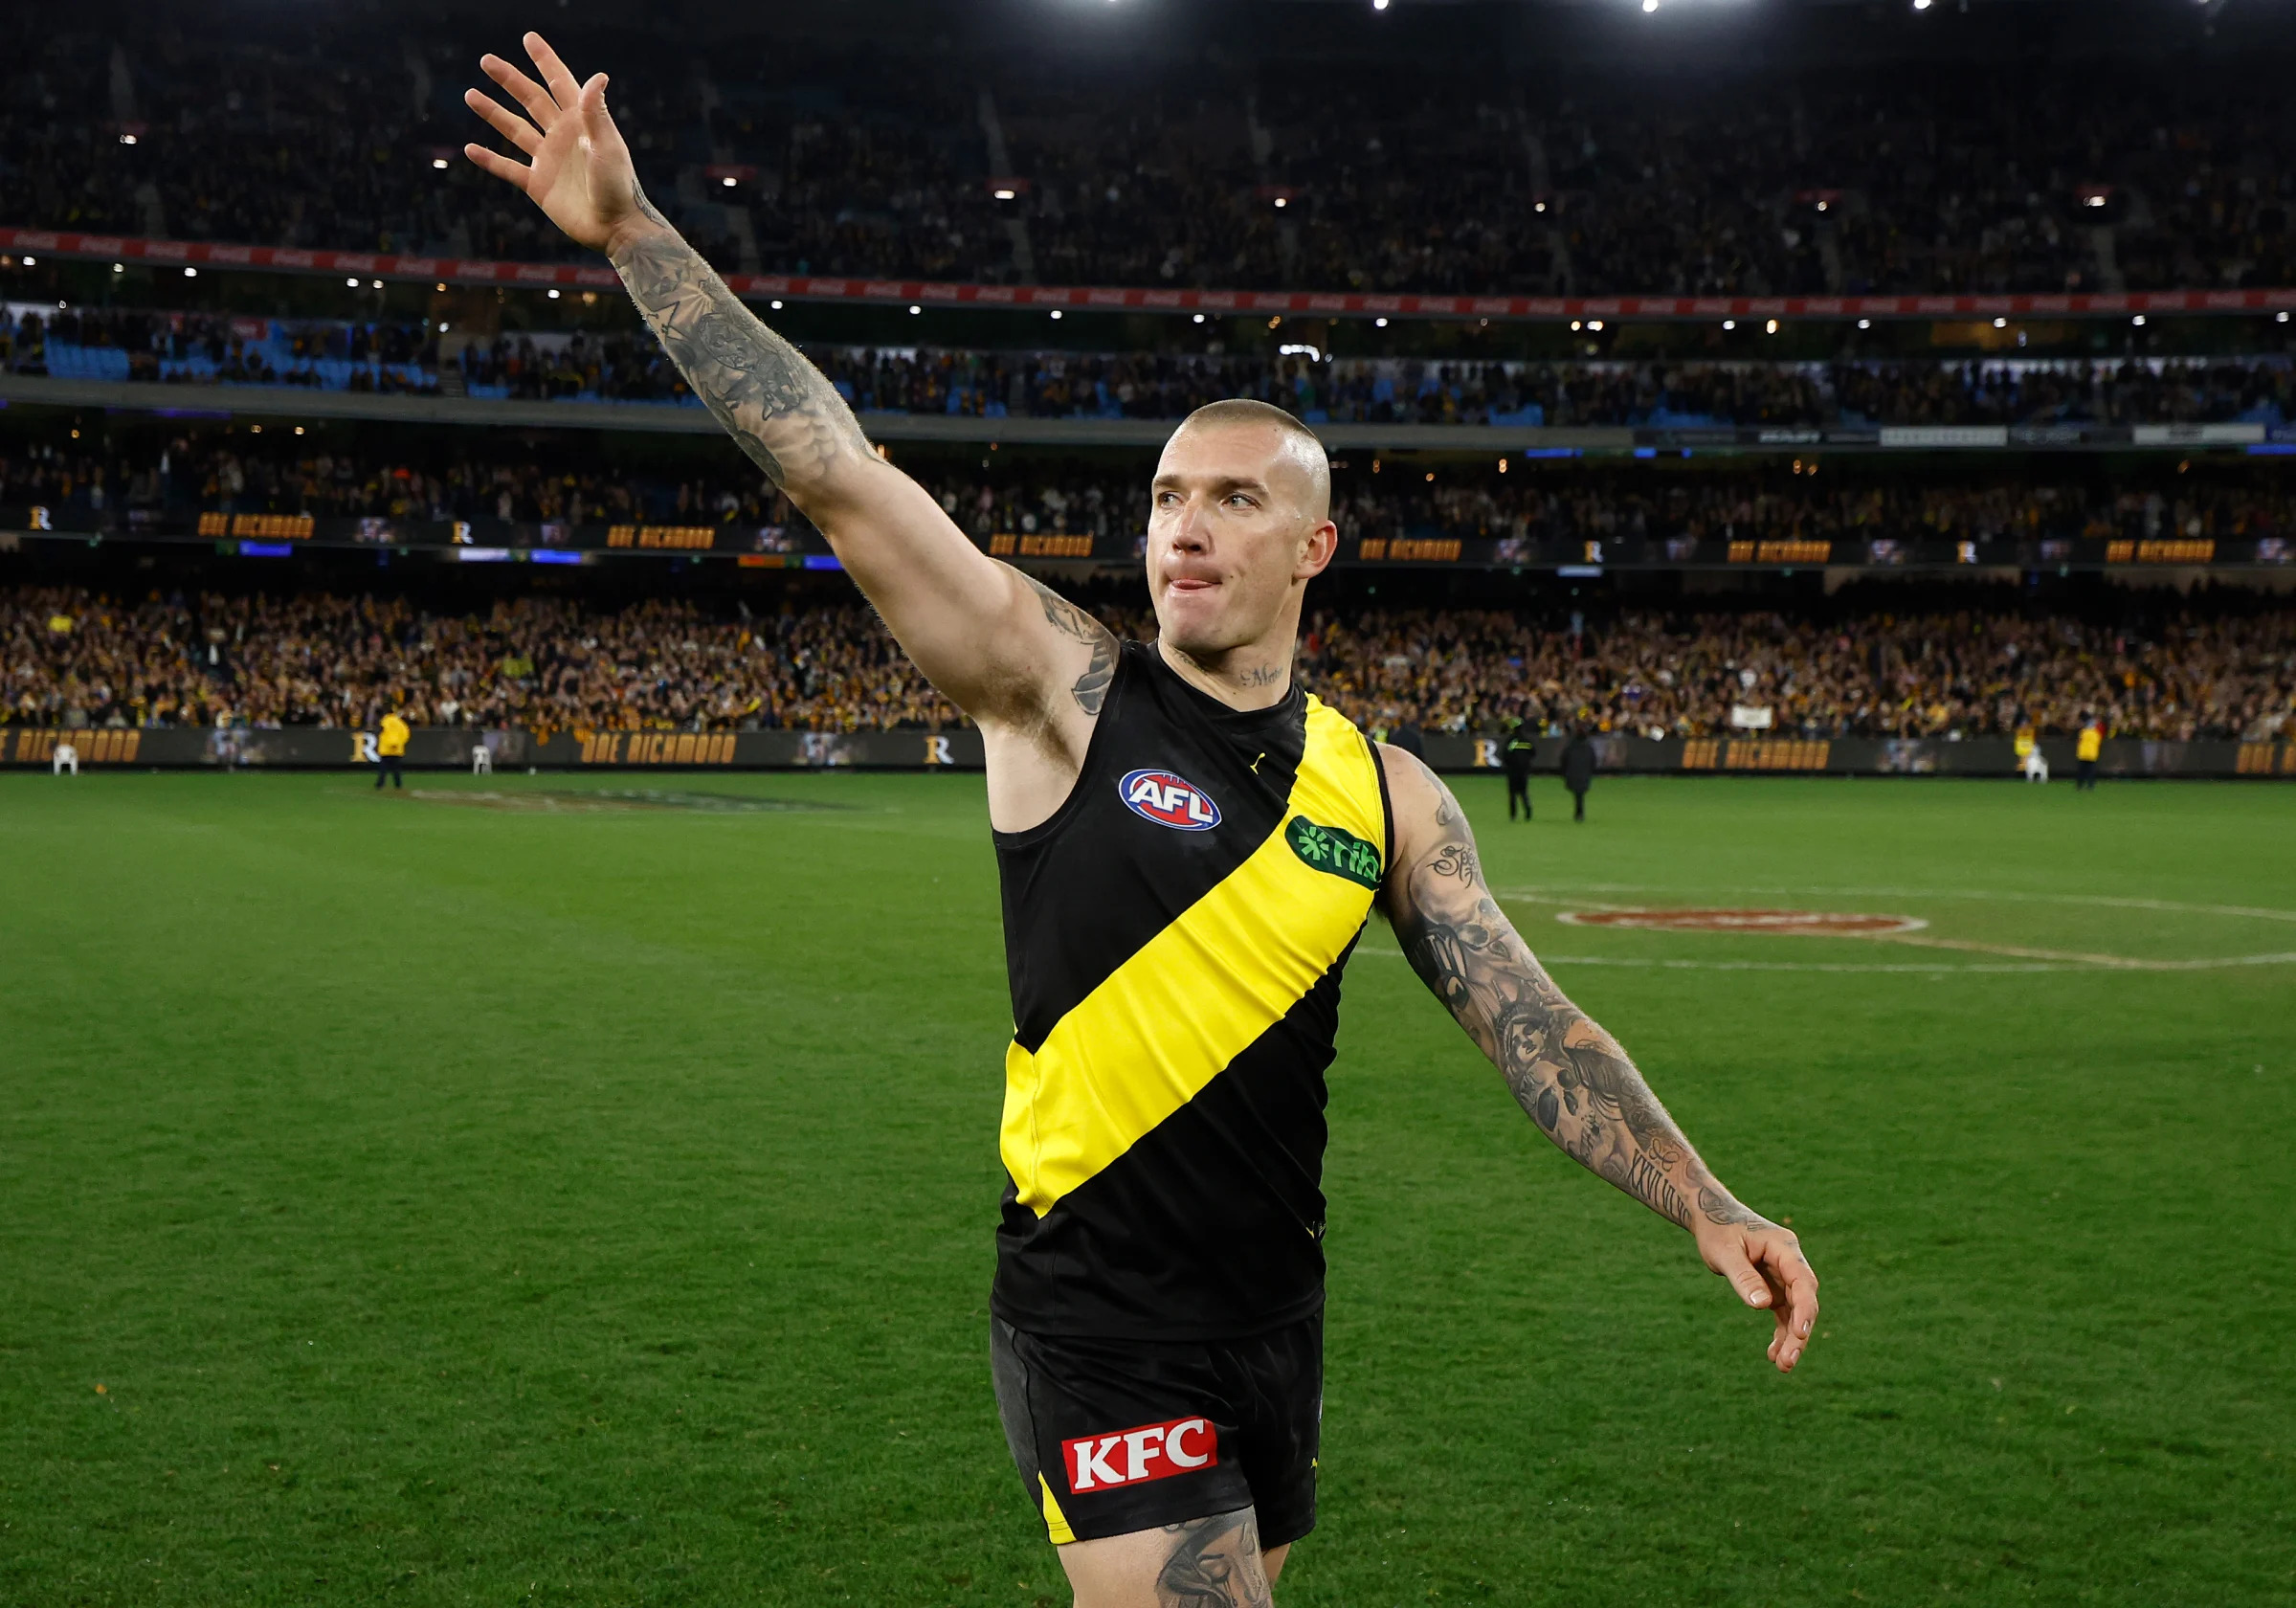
x: 1327, y: 848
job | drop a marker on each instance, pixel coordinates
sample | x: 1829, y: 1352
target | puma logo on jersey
x: 1136, y: 1456
x: 1168, y: 800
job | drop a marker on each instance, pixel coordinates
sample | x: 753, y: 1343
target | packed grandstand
x: 189, y: 348
x: 1658, y: 526
x: 70, y: 658
x: 185, y: 469
x: 1375, y: 173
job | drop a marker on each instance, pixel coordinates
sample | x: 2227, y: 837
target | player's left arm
x: 1569, y: 1074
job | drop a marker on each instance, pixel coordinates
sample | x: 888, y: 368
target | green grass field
x: 423, y: 1202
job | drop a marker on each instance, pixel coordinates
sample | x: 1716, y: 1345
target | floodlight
x: 1379, y: 5
x: 127, y: 139
x: 554, y: 295
x: 1866, y: 323
x: 2138, y: 321
x: 1595, y: 325
x: 1005, y: 195
x: 119, y: 267
x: 1381, y: 324
x: 440, y: 163
x: 352, y: 282
x: 1770, y: 328
x: 730, y: 181
x: 914, y: 309
x: 191, y: 272
x: 1730, y: 323
x: 1199, y: 318
x: 1056, y: 314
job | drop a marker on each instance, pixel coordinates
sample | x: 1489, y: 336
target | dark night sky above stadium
x: 1679, y: 33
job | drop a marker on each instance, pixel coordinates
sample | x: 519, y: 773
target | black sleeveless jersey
x: 1174, y: 936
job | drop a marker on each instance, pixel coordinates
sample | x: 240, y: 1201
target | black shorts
x: 1114, y: 1435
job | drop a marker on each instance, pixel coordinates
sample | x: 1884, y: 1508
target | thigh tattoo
x: 1214, y: 1564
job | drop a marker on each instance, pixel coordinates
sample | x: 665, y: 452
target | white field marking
x: 2169, y: 906
x: 1918, y: 969
x: 1897, y: 935
x: 2122, y: 963
x: 2063, y: 960
x: 1935, y: 969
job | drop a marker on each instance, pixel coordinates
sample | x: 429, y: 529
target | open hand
x: 1765, y: 1266
x: 578, y: 168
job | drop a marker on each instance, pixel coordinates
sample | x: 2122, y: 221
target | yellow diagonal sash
x: 1171, y: 1018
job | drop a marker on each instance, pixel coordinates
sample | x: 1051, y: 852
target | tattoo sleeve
x: 781, y: 409
x: 1091, y: 688
x: 1569, y: 1074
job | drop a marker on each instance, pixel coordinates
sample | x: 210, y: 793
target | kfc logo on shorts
x: 1168, y: 800
x: 1132, y: 1457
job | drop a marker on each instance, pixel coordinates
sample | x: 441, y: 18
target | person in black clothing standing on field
x: 1521, y: 743
x: 1578, y: 771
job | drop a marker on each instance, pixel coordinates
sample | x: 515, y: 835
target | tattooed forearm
x: 1091, y: 688
x: 1214, y: 1564
x: 781, y: 409
x: 1570, y: 1075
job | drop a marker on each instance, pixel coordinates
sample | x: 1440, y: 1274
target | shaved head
x: 1239, y: 522
x: 1298, y: 445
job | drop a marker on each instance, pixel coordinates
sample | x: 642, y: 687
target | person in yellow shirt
x: 2087, y: 749
x: 391, y: 748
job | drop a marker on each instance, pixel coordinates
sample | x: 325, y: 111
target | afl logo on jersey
x: 1168, y: 800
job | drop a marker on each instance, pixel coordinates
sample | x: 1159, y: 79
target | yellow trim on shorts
x: 1056, y: 1522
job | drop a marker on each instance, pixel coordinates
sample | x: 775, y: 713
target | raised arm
x: 1566, y: 1072
x: 1003, y: 649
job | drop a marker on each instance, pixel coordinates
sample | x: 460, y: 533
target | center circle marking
x: 1791, y: 924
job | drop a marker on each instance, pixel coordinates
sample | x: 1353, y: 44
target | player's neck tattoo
x: 1253, y: 681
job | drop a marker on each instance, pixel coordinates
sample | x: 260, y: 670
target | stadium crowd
x: 1370, y: 175
x: 71, y: 657
x: 209, y: 348
x: 434, y: 477
x: 1655, y: 394
x: 1964, y: 674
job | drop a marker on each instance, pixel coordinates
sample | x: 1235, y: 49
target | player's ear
x: 1318, y: 551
